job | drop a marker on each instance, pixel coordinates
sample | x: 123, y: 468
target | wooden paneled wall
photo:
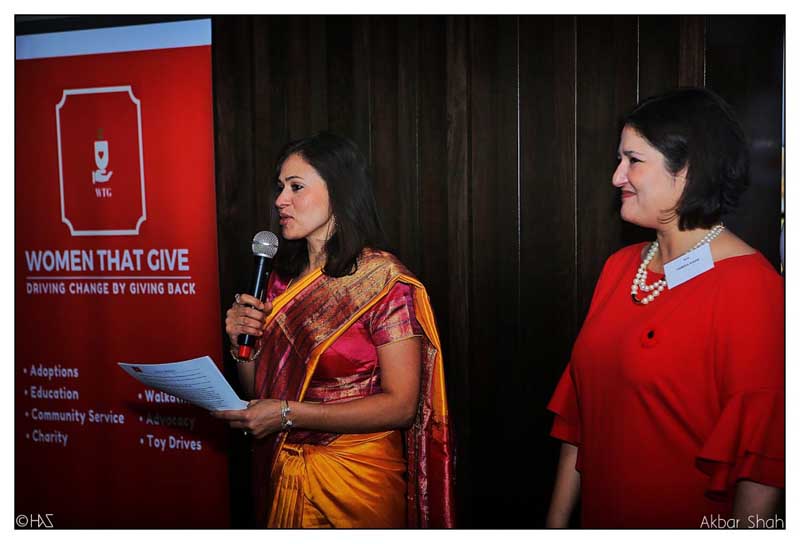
x: 491, y: 140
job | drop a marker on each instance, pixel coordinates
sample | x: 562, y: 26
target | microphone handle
x: 246, y: 341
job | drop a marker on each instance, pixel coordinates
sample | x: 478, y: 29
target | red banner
x: 115, y: 260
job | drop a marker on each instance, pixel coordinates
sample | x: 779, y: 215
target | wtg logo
x: 101, y: 160
x: 96, y: 118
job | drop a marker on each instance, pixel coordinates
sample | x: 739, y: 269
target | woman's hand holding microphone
x: 247, y: 315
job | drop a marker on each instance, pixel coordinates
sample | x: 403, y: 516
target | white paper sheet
x: 198, y: 381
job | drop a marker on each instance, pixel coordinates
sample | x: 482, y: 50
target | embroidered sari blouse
x: 349, y: 368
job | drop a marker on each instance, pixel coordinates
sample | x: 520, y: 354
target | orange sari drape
x: 306, y: 319
x: 315, y: 487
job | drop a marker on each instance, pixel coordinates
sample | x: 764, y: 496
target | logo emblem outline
x: 64, y: 219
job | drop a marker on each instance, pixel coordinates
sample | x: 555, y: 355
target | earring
x: 332, y: 228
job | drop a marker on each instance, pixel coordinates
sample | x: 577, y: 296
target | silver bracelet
x: 286, y: 423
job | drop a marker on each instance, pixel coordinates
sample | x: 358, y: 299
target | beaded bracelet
x: 286, y: 423
x: 235, y: 354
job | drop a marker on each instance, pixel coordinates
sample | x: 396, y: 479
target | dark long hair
x: 339, y: 162
x: 697, y: 129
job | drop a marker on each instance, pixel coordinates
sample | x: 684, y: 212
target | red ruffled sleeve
x: 747, y: 440
x: 746, y: 443
x: 564, y: 404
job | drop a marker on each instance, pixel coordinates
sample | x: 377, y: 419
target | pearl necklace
x: 658, y: 286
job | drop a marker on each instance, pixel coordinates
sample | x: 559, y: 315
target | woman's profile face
x: 649, y: 190
x: 303, y: 202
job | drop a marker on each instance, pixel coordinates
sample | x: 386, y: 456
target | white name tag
x: 688, y: 266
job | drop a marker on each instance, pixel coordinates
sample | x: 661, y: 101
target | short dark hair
x: 697, y: 129
x: 339, y: 162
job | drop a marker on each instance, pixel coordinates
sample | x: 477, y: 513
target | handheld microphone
x: 265, y: 246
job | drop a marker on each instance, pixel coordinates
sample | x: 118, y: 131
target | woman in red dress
x: 671, y: 409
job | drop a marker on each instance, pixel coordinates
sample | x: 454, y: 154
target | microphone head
x: 265, y: 244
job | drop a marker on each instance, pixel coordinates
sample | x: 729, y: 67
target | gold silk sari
x: 399, y: 478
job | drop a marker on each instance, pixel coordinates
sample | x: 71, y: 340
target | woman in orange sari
x: 350, y: 414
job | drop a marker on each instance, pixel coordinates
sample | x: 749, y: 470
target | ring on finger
x: 237, y: 298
